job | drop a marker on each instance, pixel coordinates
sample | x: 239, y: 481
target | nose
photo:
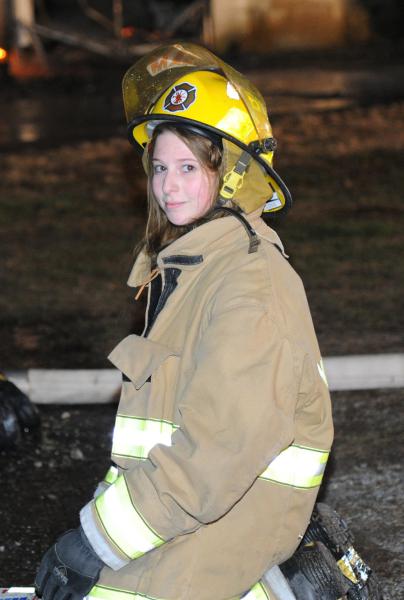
x: 170, y: 183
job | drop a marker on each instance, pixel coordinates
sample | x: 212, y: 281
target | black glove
x: 69, y: 569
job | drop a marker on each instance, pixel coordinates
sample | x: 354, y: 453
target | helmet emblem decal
x: 180, y: 97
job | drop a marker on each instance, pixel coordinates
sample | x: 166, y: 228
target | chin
x: 180, y: 222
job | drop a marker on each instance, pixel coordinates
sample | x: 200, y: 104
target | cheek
x: 205, y: 199
x: 207, y: 191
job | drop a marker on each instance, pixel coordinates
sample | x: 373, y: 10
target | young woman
x: 224, y: 424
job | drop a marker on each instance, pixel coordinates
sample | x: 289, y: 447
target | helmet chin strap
x: 253, y: 239
x: 233, y: 180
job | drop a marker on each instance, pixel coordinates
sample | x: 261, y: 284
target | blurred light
x: 3, y: 55
x: 127, y: 32
x: 28, y: 132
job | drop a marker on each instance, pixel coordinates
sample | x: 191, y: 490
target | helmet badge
x: 180, y: 97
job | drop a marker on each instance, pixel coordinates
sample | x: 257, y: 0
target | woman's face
x: 183, y: 189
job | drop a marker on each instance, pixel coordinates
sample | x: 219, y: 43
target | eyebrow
x: 178, y: 159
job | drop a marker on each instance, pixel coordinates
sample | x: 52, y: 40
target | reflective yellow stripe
x: 123, y: 522
x: 322, y: 373
x: 135, y: 437
x: 297, y: 466
x: 257, y: 592
x: 111, y: 475
x: 99, y: 592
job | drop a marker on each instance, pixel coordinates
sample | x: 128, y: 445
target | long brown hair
x: 160, y: 232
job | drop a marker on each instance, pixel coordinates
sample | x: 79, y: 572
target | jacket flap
x: 137, y: 357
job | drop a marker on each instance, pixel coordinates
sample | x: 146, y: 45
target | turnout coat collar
x: 191, y: 250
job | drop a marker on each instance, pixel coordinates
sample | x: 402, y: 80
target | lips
x: 174, y: 204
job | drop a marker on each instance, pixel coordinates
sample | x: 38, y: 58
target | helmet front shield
x: 156, y: 72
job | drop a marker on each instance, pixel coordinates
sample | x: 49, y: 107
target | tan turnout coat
x: 232, y: 361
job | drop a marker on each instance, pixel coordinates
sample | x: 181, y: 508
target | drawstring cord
x: 155, y: 273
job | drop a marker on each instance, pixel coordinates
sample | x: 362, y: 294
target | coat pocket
x: 146, y: 407
x: 138, y: 357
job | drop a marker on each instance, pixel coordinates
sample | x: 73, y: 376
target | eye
x: 187, y: 168
x: 158, y: 169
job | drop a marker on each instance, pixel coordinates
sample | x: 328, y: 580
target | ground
x: 72, y: 210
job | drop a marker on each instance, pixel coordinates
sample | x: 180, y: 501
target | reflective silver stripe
x: 123, y: 522
x: 135, y: 436
x: 102, y: 547
x: 297, y: 466
x: 257, y: 592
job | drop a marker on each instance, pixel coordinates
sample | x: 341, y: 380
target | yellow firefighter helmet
x: 187, y: 85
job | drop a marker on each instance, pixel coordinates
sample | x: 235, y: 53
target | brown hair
x: 160, y: 232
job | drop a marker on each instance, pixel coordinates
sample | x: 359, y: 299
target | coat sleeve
x: 236, y: 415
